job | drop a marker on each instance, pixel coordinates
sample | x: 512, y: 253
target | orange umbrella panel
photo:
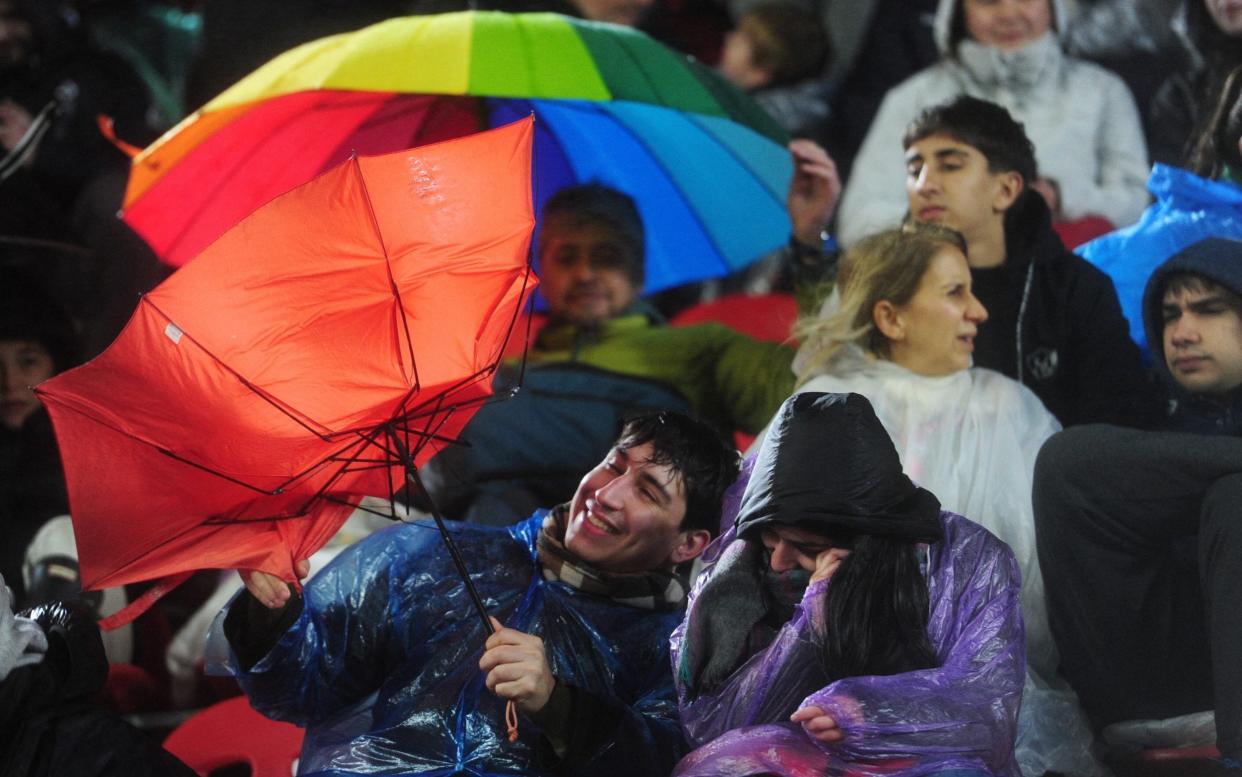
x: 253, y: 397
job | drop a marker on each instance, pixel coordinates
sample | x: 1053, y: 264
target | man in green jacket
x: 604, y: 353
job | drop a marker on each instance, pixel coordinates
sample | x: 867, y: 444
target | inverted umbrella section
x: 313, y: 355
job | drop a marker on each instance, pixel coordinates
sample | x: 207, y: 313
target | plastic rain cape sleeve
x: 382, y: 665
x: 971, y: 438
x: 959, y: 715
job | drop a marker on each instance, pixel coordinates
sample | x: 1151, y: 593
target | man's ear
x: 1009, y: 186
x: 690, y: 544
x: 888, y: 320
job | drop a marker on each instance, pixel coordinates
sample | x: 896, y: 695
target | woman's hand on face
x: 827, y: 561
x: 819, y: 724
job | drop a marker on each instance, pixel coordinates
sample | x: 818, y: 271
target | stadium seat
x: 231, y: 732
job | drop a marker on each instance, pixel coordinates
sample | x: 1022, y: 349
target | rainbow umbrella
x: 706, y: 165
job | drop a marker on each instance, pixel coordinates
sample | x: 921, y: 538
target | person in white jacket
x: 902, y: 335
x: 1082, y: 119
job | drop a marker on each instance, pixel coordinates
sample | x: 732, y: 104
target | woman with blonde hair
x: 901, y: 333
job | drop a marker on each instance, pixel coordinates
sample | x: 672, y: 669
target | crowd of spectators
x: 1080, y: 403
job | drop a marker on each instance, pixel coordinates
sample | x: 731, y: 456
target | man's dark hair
x: 1185, y: 281
x: 599, y: 204
x: 696, y: 452
x: 989, y: 129
x: 787, y: 40
x: 982, y: 125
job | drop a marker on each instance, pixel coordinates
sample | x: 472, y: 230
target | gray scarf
x: 1016, y: 71
x: 737, y: 614
x: 658, y: 589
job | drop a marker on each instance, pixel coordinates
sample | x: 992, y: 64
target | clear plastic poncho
x: 970, y: 438
x: 959, y: 715
x: 382, y: 665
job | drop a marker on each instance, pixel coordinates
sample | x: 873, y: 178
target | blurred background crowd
x: 1104, y: 89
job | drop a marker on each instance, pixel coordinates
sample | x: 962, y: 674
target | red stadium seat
x: 231, y: 732
x: 764, y: 317
x: 1075, y: 233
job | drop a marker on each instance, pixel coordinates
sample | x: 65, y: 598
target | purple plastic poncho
x: 959, y: 715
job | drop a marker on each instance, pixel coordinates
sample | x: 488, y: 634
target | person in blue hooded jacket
x: 1137, y: 532
x: 385, y: 662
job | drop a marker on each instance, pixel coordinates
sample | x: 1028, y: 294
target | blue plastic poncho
x: 382, y: 665
x: 959, y: 715
x: 1187, y: 209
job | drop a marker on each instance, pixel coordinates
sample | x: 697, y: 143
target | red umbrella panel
x: 260, y: 392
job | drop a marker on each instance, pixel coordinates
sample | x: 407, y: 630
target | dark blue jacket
x: 381, y: 666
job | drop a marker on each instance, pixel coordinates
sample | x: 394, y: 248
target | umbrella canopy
x: 705, y: 163
x: 261, y: 391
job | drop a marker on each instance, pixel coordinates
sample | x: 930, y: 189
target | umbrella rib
x: 391, y: 515
x: 390, y: 456
x: 425, y: 433
x: 517, y: 310
x: 392, y: 281
x: 203, y: 467
x: 321, y: 492
x: 411, y: 474
x: 260, y: 393
x: 164, y: 450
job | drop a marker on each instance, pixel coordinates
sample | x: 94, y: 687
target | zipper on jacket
x: 1026, y: 295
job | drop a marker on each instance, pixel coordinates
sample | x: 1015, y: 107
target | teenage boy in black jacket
x: 1055, y: 324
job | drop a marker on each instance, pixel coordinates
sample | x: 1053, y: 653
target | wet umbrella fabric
x: 706, y: 165
x: 260, y: 392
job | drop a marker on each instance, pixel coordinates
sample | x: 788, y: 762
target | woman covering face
x: 901, y: 334
x: 822, y: 637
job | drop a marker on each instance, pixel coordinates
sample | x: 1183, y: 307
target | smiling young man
x: 1055, y: 322
x: 1138, y: 532
x: 384, y: 659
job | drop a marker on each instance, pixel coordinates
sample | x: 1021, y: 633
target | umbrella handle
x: 411, y: 475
